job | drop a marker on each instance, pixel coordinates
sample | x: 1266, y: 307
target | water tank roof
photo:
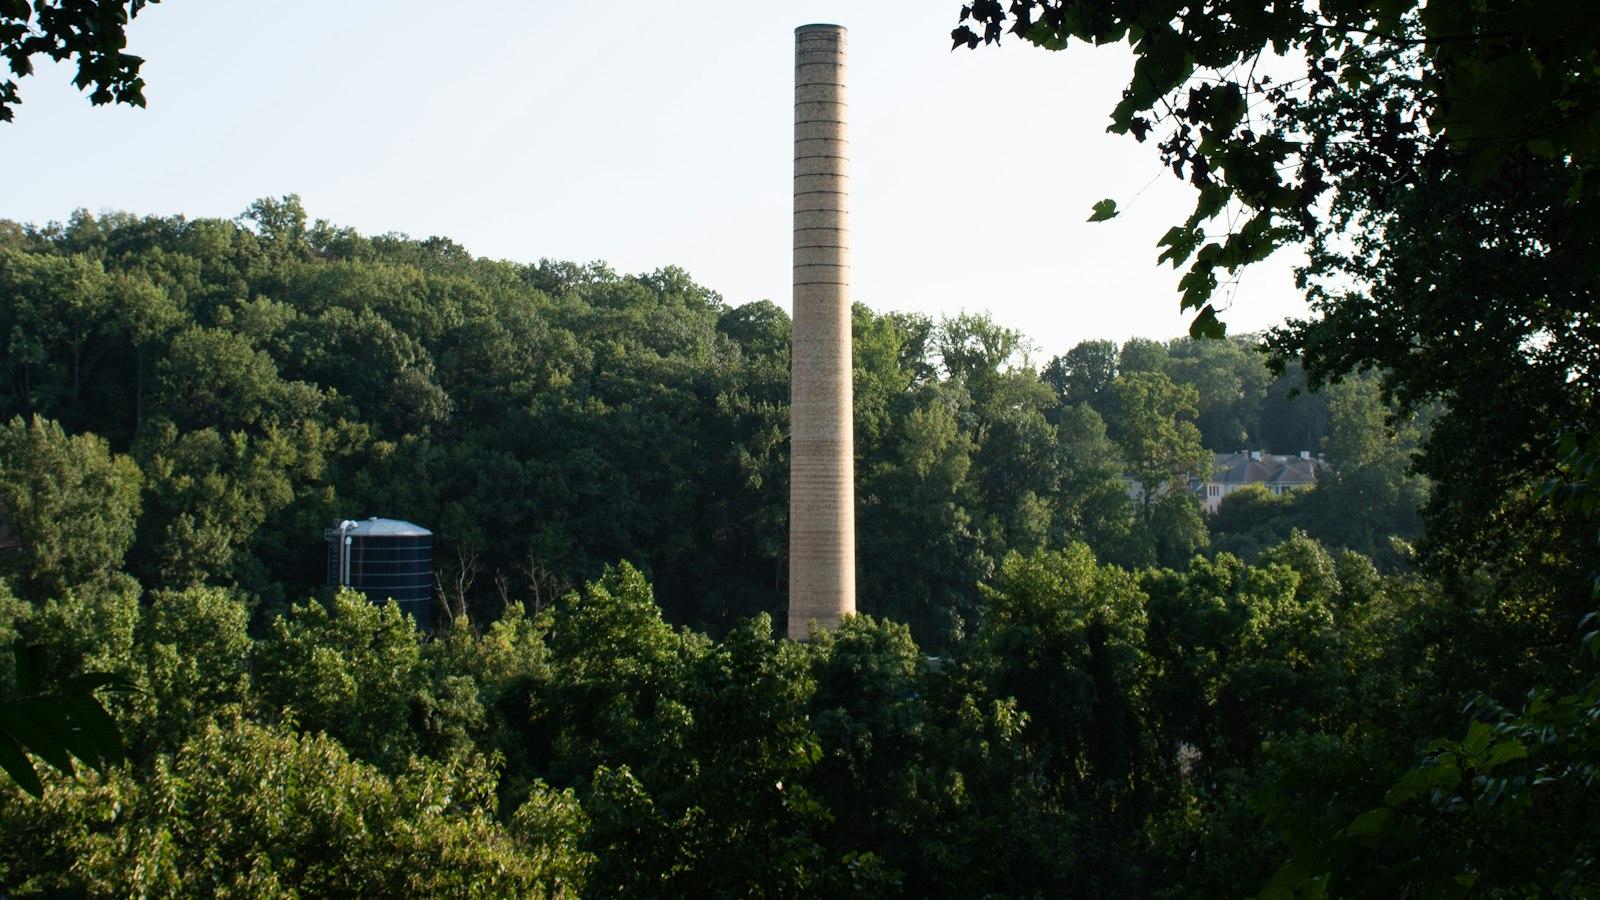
x: 376, y: 527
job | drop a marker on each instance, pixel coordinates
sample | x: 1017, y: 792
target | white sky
x: 644, y: 134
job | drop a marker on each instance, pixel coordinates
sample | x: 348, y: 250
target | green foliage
x: 546, y: 420
x: 618, y: 669
x: 70, y: 501
x: 1143, y: 355
x: 1098, y: 510
x: 245, y: 809
x: 1385, y: 88
x: 869, y: 717
x: 1369, y: 500
x: 91, y: 628
x: 348, y: 668
x: 481, y: 685
x: 1063, y: 635
x: 1231, y: 383
x: 1522, y: 779
x: 195, y: 652
x: 1083, y: 374
x: 56, y: 720
x: 1251, y: 519
x: 1085, y: 729
x: 209, y: 493
x: 1460, y: 819
x: 730, y: 813
x: 1436, y: 163
x: 93, y: 35
x: 1175, y: 532
x: 1369, y: 494
x: 1152, y: 421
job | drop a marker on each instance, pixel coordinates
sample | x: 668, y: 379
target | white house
x: 1232, y: 471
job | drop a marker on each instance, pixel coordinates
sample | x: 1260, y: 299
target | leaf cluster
x: 92, y: 33
x: 57, y: 720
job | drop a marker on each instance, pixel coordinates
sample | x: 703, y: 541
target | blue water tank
x: 386, y: 559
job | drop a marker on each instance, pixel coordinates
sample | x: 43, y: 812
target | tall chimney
x: 822, y: 509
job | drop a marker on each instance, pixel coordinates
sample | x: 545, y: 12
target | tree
x: 616, y: 692
x: 258, y: 810
x: 1507, y: 809
x: 748, y: 818
x: 973, y: 347
x: 1176, y: 530
x: 209, y: 494
x: 1391, y: 93
x: 1143, y: 355
x: 1293, y: 418
x: 1251, y: 519
x: 1095, y: 506
x: 1231, y: 380
x: 1075, y: 729
x: 1508, y: 356
x: 212, y: 377
x: 504, y: 664
x: 1014, y: 462
x: 1254, y: 670
x: 919, y: 548
x: 59, y: 315
x: 1064, y: 635
x: 1437, y: 161
x: 92, y: 33
x: 1153, y: 424
x: 70, y: 501
x: 1434, y: 160
x: 1370, y: 496
x: 1369, y: 501
x: 870, y: 719
x: 195, y: 651
x: 348, y: 669
x: 1083, y: 374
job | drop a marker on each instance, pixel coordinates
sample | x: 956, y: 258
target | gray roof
x: 1239, y: 468
x: 376, y: 527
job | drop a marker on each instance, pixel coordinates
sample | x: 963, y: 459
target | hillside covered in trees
x: 270, y: 377
x: 1059, y: 686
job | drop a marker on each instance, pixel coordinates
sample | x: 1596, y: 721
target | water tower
x: 386, y: 559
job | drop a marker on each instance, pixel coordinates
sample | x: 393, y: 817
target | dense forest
x: 1058, y: 686
x: 271, y: 377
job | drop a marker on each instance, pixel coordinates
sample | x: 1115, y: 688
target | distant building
x: 1232, y: 471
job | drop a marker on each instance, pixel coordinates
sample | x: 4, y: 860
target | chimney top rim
x: 820, y: 26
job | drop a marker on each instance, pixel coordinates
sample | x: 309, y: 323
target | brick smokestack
x: 822, y: 511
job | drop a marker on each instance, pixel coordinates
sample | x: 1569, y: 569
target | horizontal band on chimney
x: 821, y: 218
x: 815, y: 146
x: 837, y: 233
x: 819, y: 91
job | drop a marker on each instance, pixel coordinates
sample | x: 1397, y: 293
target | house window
x: 1214, y: 489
